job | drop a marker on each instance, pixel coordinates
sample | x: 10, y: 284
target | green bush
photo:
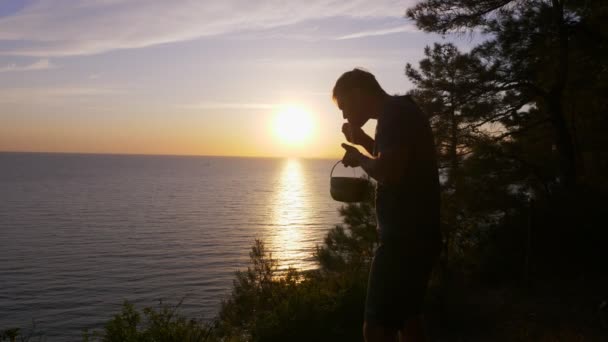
x: 9, y: 334
x: 320, y: 305
x: 162, y: 324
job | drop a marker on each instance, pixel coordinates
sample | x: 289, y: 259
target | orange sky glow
x: 85, y: 79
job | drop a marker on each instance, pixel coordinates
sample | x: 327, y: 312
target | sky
x: 192, y: 77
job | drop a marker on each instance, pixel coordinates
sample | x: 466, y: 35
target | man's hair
x: 356, y: 78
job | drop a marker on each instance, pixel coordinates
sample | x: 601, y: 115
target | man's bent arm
x: 366, y: 141
x: 386, y: 168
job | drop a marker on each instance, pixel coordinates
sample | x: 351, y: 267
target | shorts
x: 397, y: 283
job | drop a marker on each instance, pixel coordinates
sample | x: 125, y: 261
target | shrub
x: 162, y: 324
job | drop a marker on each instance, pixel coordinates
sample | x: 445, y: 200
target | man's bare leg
x: 373, y: 332
x: 413, y: 330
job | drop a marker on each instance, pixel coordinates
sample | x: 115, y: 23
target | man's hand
x: 352, y: 157
x: 352, y: 133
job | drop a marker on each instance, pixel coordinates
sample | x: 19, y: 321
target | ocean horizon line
x: 166, y: 155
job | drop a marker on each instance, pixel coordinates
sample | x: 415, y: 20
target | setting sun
x: 293, y: 125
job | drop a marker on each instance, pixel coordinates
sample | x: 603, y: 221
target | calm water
x: 81, y: 233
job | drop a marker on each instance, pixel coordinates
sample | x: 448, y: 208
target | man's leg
x: 413, y: 330
x: 379, y: 302
x: 373, y: 332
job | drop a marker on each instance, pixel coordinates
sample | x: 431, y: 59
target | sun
x: 293, y: 125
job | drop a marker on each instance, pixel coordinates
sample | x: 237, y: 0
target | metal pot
x: 348, y: 189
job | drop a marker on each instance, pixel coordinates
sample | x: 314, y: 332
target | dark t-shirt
x: 408, y: 208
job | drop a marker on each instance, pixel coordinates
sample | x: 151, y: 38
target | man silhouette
x: 407, y: 202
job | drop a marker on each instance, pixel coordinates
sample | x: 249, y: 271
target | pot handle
x: 332, y: 169
x: 336, y: 164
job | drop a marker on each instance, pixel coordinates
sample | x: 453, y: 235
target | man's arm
x: 366, y: 141
x: 357, y: 136
x: 386, y: 168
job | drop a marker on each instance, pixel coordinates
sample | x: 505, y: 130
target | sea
x: 82, y: 233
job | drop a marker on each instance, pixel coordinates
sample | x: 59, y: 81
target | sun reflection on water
x: 290, y: 216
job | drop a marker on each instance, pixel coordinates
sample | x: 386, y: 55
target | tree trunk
x: 563, y: 142
x: 563, y: 138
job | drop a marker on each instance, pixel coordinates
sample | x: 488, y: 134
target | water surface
x: 82, y: 233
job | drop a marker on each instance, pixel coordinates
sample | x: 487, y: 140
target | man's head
x: 358, y: 94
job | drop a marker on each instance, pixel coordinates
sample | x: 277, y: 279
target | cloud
x: 371, y: 33
x: 51, y: 95
x: 79, y: 27
x: 231, y: 105
x: 42, y: 64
